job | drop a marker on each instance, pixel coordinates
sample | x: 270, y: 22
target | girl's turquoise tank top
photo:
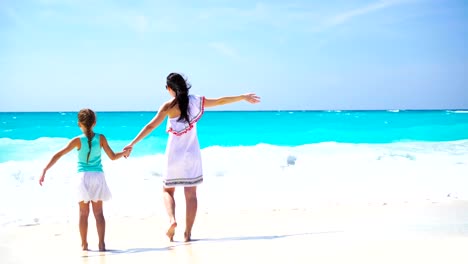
x: 94, y: 162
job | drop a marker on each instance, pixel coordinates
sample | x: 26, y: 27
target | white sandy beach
x: 399, y: 233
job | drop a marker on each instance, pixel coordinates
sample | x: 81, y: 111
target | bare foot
x: 187, y: 237
x: 102, y: 247
x: 170, y: 232
x: 84, y: 246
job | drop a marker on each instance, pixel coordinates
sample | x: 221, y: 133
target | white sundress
x: 183, y: 155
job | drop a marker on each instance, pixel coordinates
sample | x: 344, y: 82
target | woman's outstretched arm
x: 250, y: 97
x: 148, y: 128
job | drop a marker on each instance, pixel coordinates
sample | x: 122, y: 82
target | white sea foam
x: 249, y: 177
x: 458, y: 111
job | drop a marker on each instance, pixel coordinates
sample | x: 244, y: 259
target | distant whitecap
x: 458, y: 111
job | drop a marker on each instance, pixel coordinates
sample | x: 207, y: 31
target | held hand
x: 126, y: 153
x: 251, y: 98
x: 128, y: 150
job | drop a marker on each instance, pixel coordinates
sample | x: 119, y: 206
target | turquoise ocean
x: 252, y: 160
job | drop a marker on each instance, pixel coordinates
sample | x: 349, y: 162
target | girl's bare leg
x: 83, y: 223
x: 190, y: 210
x: 169, y: 203
x: 100, y: 224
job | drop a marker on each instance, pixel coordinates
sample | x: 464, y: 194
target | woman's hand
x: 128, y: 150
x: 251, y: 98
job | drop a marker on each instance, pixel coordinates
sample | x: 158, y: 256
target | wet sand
x: 399, y: 233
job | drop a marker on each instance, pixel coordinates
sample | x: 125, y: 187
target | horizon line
x: 271, y: 110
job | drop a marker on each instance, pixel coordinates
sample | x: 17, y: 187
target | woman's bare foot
x: 84, y: 246
x: 187, y: 237
x: 102, y: 246
x: 170, y: 232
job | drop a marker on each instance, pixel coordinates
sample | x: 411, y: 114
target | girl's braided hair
x: 87, y: 118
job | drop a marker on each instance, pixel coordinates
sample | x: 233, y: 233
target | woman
x: 183, y: 155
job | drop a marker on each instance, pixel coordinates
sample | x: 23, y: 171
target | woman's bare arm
x: 251, y: 98
x: 154, y: 123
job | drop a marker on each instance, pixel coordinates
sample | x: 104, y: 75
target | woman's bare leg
x: 169, y: 203
x: 83, y: 223
x: 190, y: 210
x: 100, y: 224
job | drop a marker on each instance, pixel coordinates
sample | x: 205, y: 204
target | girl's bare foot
x: 187, y: 237
x: 170, y: 232
x: 84, y: 246
x: 102, y: 246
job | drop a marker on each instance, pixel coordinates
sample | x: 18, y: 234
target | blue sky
x: 312, y: 55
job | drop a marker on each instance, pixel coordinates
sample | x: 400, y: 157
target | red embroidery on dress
x: 190, y: 126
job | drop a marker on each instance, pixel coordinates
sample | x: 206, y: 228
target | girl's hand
x: 251, y: 98
x: 126, y: 153
x: 127, y: 150
x: 41, y: 180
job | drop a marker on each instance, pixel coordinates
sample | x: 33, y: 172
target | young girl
x: 183, y: 157
x: 92, y: 185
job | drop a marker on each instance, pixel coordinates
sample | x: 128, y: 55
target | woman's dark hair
x: 180, y: 86
x: 87, y: 118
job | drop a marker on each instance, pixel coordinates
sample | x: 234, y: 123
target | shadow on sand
x: 242, y: 238
x: 203, y: 240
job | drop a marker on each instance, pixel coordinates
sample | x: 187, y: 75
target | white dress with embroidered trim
x: 183, y: 155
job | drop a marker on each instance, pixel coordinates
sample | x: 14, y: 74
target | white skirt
x: 92, y: 186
